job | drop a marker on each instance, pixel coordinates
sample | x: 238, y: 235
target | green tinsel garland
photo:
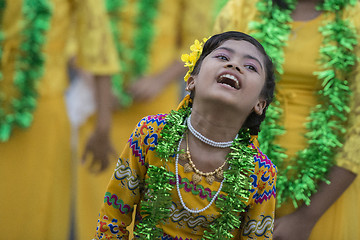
x: 29, y: 66
x: 144, y: 35
x: 157, y: 204
x: 237, y: 183
x: 133, y: 60
x: 113, y: 8
x: 325, y: 128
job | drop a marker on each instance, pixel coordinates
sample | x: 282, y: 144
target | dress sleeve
x: 258, y: 221
x: 96, y: 50
x: 235, y: 16
x: 125, y: 189
x: 348, y: 157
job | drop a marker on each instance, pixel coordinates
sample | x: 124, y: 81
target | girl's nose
x: 230, y: 65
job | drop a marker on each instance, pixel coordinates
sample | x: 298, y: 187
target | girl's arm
x: 124, y: 190
x: 259, y: 219
x: 298, y: 225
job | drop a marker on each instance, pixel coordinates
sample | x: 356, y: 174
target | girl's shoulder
x: 151, y: 124
x: 145, y: 136
x: 262, y: 161
x: 263, y: 178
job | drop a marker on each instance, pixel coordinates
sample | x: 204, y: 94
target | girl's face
x: 234, y: 75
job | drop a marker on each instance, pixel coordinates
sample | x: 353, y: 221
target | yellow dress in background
x: 178, y: 23
x: 35, y: 164
x: 296, y: 93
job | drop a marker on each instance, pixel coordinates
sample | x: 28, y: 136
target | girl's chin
x: 222, y: 100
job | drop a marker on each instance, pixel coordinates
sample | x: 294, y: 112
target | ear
x: 190, y: 84
x: 260, y: 106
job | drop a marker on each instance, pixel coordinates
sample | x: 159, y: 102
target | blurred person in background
x: 35, y: 156
x: 315, y: 46
x: 150, y: 37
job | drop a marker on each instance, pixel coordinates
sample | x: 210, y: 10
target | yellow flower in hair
x: 187, y: 76
x: 191, y: 59
x: 196, y: 47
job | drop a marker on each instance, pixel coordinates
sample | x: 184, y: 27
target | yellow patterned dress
x: 296, y: 93
x: 178, y: 23
x: 35, y: 164
x: 126, y: 190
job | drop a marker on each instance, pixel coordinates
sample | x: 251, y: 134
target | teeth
x: 229, y: 76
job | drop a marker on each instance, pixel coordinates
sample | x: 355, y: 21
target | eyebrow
x: 245, y: 56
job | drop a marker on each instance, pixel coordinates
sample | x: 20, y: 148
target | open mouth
x: 230, y: 80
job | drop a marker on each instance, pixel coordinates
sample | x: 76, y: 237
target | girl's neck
x: 306, y: 10
x: 215, y: 125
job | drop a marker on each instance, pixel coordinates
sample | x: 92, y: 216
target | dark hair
x: 253, y: 121
x: 281, y: 4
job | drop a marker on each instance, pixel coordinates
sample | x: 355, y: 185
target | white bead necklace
x: 178, y: 188
x: 205, y: 139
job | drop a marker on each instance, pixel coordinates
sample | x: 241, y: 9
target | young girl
x: 195, y: 173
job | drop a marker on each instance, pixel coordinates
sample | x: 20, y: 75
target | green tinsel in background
x: 133, y: 59
x: 29, y: 66
x: 327, y: 120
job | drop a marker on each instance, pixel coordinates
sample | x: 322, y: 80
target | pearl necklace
x: 178, y: 188
x: 205, y: 139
